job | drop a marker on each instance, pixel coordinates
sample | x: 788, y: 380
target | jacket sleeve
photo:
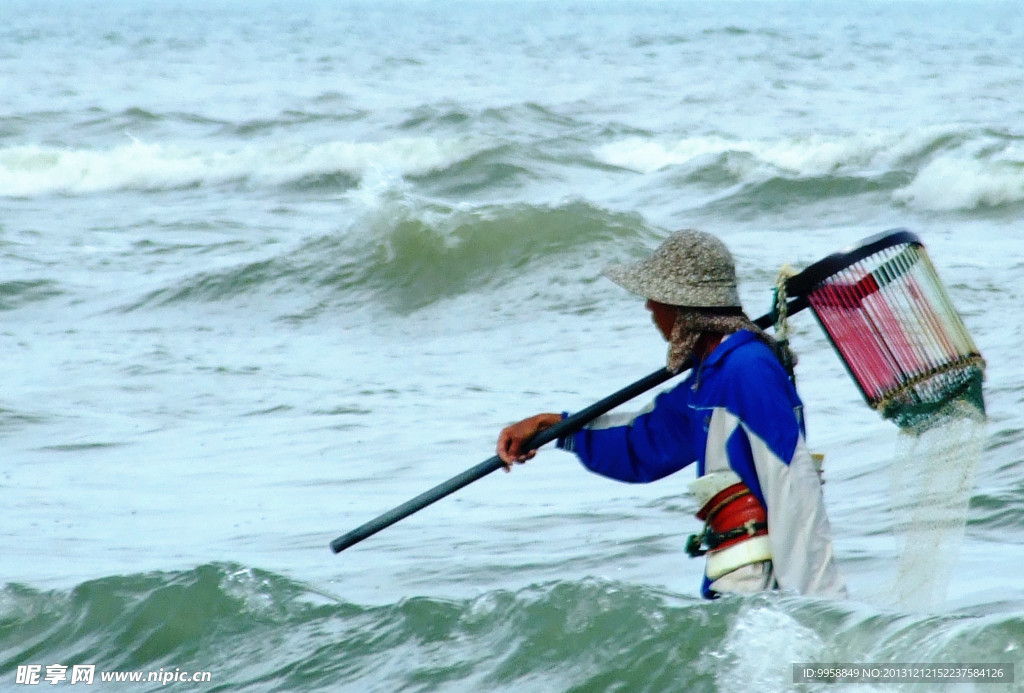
x: 653, y: 445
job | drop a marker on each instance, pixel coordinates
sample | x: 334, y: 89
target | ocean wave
x: 38, y: 170
x: 293, y: 118
x: 996, y: 511
x: 405, y: 253
x: 17, y: 293
x: 813, y: 155
x: 259, y: 631
x: 423, y: 254
x: 960, y: 182
x: 949, y: 168
x: 781, y: 192
x: 131, y: 119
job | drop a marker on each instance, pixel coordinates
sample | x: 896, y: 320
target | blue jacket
x: 736, y: 410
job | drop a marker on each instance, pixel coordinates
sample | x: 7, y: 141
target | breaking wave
x: 259, y: 631
x: 934, y: 169
x: 36, y: 170
x: 407, y: 253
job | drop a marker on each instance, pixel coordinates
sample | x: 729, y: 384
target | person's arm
x: 651, y: 446
x: 511, y: 438
x: 647, y: 447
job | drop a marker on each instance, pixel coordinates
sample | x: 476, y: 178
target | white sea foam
x: 760, y: 648
x: 807, y: 156
x: 951, y: 168
x: 33, y: 170
x: 962, y: 182
x: 648, y: 156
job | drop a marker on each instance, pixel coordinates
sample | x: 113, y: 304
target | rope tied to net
x: 780, y: 320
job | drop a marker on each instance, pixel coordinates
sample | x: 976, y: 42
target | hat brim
x: 642, y: 279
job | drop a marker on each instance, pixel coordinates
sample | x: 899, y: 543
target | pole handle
x: 566, y: 426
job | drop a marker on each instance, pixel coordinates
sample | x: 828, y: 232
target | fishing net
x: 931, y: 480
x: 896, y: 330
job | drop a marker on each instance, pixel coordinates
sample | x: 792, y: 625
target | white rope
x: 781, y: 308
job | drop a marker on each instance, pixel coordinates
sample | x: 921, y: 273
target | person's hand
x: 511, y: 438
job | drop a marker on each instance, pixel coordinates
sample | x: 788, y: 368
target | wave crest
x: 948, y: 168
x: 35, y: 170
x: 406, y: 254
x: 963, y: 183
x: 254, y: 628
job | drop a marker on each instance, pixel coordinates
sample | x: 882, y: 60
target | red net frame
x: 892, y: 323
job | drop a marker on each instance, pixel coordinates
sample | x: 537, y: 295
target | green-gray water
x: 271, y: 269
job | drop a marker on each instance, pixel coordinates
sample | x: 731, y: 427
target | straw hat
x: 691, y: 268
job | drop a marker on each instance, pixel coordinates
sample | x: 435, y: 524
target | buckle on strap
x: 708, y: 540
x: 693, y: 544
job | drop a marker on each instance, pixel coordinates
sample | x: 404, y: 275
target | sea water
x: 272, y: 268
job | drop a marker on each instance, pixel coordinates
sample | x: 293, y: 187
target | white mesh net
x: 931, y: 481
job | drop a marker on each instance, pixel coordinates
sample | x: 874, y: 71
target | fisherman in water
x: 737, y: 415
